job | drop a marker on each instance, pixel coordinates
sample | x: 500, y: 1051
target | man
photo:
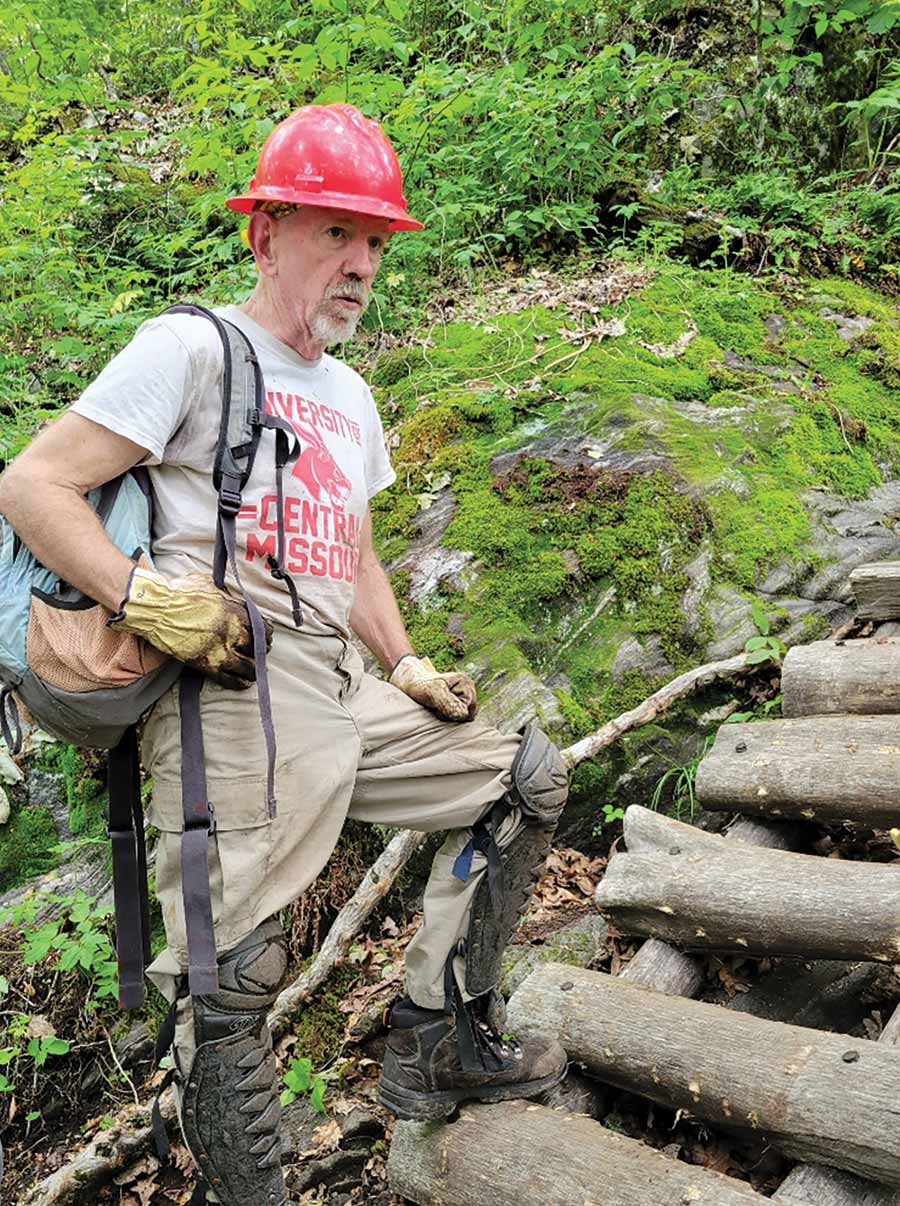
x: 406, y: 752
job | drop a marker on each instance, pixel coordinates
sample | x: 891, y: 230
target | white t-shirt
x: 163, y: 391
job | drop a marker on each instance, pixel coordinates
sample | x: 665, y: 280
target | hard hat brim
x: 398, y: 218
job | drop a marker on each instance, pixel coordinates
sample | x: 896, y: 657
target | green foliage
x: 76, y: 942
x: 678, y: 783
x: 23, y: 1055
x: 768, y: 709
x: 319, y: 1029
x: 85, y: 789
x: 608, y: 815
x: 299, y: 1080
x: 28, y: 844
x: 80, y: 936
x: 124, y: 128
x: 766, y: 647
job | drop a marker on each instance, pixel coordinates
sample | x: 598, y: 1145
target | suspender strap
x: 287, y: 447
x: 9, y: 712
x: 126, y: 831
x: 164, y: 1040
x: 225, y: 554
x: 199, y: 823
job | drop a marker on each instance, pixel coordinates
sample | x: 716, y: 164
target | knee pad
x: 539, y: 789
x: 230, y: 1109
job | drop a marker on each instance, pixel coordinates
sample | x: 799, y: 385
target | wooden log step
x: 877, y: 590
x: 833, y: 678
x: 521, y: 1154
x: 665, y: 969
x: 696, y: 890
x: 820, y: 1097
x: 818, y: 1185
x: 822, y: 768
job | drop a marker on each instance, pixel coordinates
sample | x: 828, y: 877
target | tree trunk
x: 819, y: 1097
x: 828, y: 678
x: 823, y: 768
x: 877, y: 590
x: 690, y: 888
x: 519, y: 1154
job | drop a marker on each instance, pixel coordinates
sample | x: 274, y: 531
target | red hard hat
x: 330, y: 155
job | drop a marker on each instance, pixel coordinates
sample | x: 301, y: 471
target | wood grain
x: 820, y: 1097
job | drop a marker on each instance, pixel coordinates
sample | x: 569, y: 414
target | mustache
x: 352, y: 289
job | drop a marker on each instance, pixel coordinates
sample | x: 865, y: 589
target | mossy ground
x: 30, y: 841
x: 83, y: 773
x: 739, y: 446
x: 27, y: 843
x: 319, y: 1026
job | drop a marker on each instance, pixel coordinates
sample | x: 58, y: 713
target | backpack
x: 90, y: 685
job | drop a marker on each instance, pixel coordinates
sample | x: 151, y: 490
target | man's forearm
x: 375, y: 617
x: 66, y: 536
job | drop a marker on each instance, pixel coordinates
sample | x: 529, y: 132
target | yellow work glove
x: 451, y: 695
x: 190, y: 619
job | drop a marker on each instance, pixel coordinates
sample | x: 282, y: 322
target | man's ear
x: 261, y: 238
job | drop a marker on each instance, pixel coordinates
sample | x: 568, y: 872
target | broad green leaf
x: 299, y: 1075
x: 760, y: 617
x: 757, y: 642
x: 758, y: 657
x: 317, y: 1096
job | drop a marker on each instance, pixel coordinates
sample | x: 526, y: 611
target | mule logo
x: 317, y: 469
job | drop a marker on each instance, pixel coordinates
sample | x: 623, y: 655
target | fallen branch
x: 685, y: 684
x: 111, y: 1152
x: 122, y: 1144
x: 376, y: 884
x: 119, y: 1146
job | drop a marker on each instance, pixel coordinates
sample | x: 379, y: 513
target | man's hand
x: 451, y: 695
x: 190, y: 619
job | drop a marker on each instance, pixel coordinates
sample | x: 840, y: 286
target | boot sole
x: 410, y: 1106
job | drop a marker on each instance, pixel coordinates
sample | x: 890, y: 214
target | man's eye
x: 376, y: 243
x: 336, y: 232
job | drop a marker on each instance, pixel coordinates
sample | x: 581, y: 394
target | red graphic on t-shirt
x: 317, y: 468
x: 319, y: 540
x: 321, y: 537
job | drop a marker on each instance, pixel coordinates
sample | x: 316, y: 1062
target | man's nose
x: 359, y: 261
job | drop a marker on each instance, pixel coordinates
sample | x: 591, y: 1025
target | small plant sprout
x: 765, y: 647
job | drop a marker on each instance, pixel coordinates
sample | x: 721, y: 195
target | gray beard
x: 329, y: 330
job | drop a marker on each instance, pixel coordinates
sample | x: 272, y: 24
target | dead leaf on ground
x: 326, y: 1138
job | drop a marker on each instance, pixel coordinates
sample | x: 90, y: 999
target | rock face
x: 634, y: 482
x: 48, y: 790
x: 521, y: 697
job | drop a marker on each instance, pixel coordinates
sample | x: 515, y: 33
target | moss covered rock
x: 623, y: 483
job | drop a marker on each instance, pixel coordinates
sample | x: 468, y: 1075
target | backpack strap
x: 9, y: 717
x: 243, y: 419
x: 199, y: 825
x: 129, y: 856
x: 243, y: 400
x: 241, y: 425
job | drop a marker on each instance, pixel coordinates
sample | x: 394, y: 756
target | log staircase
x: 829, y: 1101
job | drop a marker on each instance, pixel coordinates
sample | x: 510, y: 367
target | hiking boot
x: 436, y: 1060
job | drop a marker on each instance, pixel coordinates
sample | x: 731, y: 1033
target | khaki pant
x: 348, y: 745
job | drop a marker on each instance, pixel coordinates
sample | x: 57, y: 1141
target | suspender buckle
x: 206, y: 821
x: 229, y: 501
